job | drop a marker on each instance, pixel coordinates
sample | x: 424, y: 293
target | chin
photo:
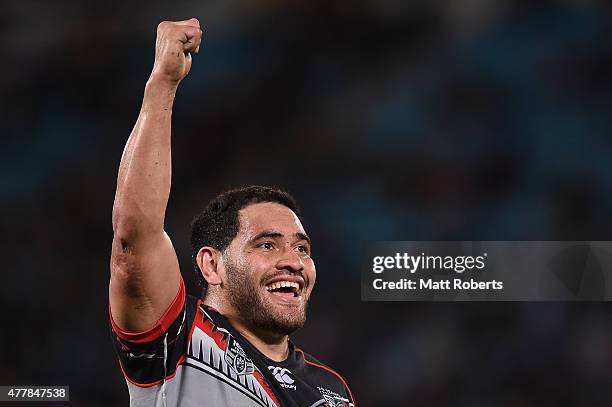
x: 286, y: 328
x: 284, y: 320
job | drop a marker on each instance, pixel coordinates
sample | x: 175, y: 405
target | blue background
x: 470, y: 120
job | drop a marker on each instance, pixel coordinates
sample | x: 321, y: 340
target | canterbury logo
x: 281, y: 374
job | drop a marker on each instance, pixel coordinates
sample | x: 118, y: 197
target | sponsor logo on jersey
x: 237, y: 359
x: 333, y: 399
x: 283, y: 377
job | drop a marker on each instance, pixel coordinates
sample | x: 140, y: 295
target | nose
x: 290, y: 260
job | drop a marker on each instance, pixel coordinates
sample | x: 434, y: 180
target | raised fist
x: 176, y: 40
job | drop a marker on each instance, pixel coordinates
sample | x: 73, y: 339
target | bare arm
x: 145, y: 275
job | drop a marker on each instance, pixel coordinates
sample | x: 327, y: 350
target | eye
x: 266, y: 245
x: 303, y: 249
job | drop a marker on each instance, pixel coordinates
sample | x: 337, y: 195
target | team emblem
x: 333, y: 399
x: 237, y: 359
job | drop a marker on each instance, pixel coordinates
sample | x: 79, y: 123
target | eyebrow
x: 274, y: 234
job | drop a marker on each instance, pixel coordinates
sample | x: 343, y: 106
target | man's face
x: 270, y: 273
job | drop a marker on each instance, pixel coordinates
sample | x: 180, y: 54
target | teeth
x: 281, y: 284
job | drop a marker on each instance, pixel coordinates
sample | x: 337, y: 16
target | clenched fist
x: 176, y: 40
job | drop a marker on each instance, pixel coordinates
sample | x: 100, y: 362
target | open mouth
x: 284, y: 289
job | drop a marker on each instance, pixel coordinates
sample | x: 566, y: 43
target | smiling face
x: 269, y: 271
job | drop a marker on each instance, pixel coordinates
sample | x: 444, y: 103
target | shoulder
x: 326, y: 375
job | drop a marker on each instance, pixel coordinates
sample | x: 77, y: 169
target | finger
x: 198, y: 42
x: 193, y: 22
x: 191, y: 40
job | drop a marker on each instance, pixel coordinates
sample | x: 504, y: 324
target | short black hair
x: 218, y: 224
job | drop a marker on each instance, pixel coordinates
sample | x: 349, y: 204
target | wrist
x: 159, y: 91
x: 161, y: 83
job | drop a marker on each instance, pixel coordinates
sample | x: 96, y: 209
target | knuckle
x: 163, y: 25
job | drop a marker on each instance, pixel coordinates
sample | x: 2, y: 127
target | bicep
x: 145, y: 279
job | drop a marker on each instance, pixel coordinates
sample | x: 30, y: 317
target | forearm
x: 143, y: 183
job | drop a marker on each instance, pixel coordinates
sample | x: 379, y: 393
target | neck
x: 274, y: 346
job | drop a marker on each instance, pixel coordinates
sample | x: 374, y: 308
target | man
x: 231, y: 347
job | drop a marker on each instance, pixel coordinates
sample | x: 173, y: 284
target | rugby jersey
x: 194, y: 357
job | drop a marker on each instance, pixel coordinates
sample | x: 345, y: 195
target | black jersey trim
x: 321, y: 366
x: 189, y: 316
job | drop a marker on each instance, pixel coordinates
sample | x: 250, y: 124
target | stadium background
x: 387, y: 120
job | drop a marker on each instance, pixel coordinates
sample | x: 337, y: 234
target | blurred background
x: 387, y: 120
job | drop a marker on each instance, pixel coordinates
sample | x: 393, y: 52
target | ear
x: 208, y: 262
